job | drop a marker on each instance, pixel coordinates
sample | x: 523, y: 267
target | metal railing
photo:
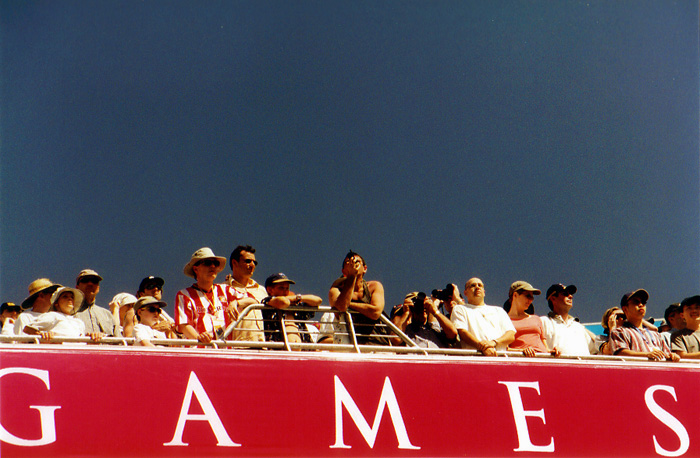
x: 341, y: 330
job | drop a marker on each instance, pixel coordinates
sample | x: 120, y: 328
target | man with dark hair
x: 243, y: 264
x: 632, y: 338
x: 282, y: 300
x: 97, y: 319
x: 562, y: 330
x: 673, y: 316
x: 352, y: 292
x: 203, y: 310
x: 153, y: 286
x: 686, y: 342
x: 8, y: 314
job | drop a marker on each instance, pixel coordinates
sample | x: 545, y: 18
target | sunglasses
x: 248, y: 261
x: 619, y: 316
x: 152, y: 309
x: 14, y: 309
x: 93, y: 280
x: 208, y: 263
x: 152, y: 287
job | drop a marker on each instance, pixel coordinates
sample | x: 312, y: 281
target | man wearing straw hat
x: 203, y: 310
x: 39, y: 300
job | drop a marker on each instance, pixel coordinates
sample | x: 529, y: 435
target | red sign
x: 116, y: 402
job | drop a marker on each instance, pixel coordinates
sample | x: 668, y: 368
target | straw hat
x: 38, y: 286
x: 201, y: 254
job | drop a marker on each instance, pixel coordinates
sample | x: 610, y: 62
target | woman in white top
x: 147, y: 310
x: 60, y: 322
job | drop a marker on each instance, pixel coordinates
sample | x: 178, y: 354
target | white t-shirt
x: 143, y: 332
x: 60, y: 324
x: 484, y: 322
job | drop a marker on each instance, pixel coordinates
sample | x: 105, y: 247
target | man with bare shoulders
x: 353, y: 292
x: 486, y: 328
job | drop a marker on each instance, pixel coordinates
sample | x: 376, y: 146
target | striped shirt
x: 205, y: 314
x: 630, y: 337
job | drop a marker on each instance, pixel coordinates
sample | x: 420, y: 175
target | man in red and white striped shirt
x: 633, y: 339
x: 203, y: 310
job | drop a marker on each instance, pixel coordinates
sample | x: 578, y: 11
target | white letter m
x: 388, y: 399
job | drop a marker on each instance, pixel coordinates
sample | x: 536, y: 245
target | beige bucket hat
x: 200, y: 255
x: 77, y: 297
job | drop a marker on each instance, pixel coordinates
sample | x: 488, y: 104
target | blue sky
x: 515, y: 140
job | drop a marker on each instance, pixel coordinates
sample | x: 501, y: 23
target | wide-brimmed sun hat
x: 200, y: 255
x: 39, y: 285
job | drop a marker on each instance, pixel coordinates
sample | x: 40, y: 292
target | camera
x: 418, y: 304
x: 444, y: 295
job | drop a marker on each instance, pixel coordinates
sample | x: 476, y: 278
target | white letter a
x: 210, y: 415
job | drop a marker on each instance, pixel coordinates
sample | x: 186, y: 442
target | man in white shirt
x: 486, y: 328
x: 39, y: 300
x: 561, y: 330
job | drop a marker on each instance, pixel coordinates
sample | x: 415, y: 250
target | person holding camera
x: 419, y: 318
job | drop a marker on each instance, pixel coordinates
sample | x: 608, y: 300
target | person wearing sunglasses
x: 97, y: 319
x: 243, y: 263
x: 153, y: 286
x: 561, y: 329
x: 632, y: 338
x: 148, y: 310
x: 203, y: 310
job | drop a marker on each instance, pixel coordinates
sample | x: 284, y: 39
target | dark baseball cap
x: 277, y: 278
x: 558, y: 288
x: 640, y: 293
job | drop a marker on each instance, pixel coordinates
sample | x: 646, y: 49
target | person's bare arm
x: 446, y: 324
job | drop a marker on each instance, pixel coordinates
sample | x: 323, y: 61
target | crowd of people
x: 443, y: 319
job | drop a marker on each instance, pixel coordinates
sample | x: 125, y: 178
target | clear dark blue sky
x: 546, y: 141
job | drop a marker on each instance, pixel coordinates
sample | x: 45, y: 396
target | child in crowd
x: 147, y: 310
x: 60, y: 322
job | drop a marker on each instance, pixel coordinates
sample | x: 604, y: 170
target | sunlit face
x: 89, y: 286
x: 206, y: 269
x: 278, y: 289
x: 562, y: 302
x: 475, y: 291
x: 354, y: 261
x: 245, y: 266
x: 635, y: 309
x: 66, y: 302
x: 153, y: 290
x: 691, y: 314
x: 522, y: 300
x: 149, y: 314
